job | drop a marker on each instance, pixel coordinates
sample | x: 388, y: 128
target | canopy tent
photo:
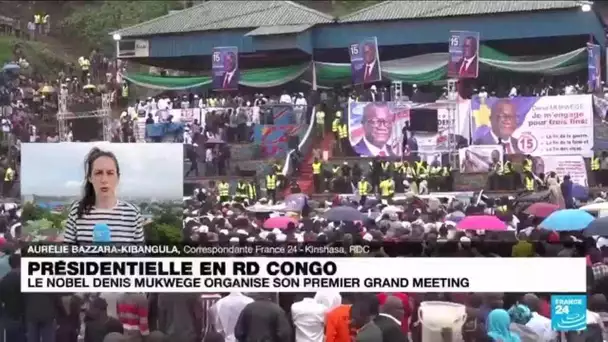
x: 417, y: 69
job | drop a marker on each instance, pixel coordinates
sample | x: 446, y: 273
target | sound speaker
x: 293, y: 142
x: 423, y: 120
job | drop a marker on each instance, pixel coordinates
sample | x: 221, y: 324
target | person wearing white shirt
x: 285, y: 98
x: 569, y: 89
x: 513, y: 92
x: 308, y: 317
x: 300, y: 108
x: 539, y: 324
x: 226, y: 313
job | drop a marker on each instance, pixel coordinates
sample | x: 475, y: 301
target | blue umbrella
x: 295, y: 202
x: 344, y: 213
x: 567, y: 220
x: 597, y: 227
x: 10, y: 67
x: 580, y: 192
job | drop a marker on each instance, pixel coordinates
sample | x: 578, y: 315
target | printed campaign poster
x: 594, y: 68
x: 548, y: 125
x: 479, y: 158
x: 365, y: 61
x: 376, y: 128
x: 562, y: 166
x: 225, y: 68
x: 464, y: 54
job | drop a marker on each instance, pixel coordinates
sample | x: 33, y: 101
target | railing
x: 305, y: 143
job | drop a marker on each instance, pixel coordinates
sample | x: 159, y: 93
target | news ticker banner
x: 225, y: 68
x: 395, y: 116
x: 594, y: 67
x: 539, y: 126
x: 464, y: 54
x: 59, y: 275
x: 365, y: 61
x: 479, y: 158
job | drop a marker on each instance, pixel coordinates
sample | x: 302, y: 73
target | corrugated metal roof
x: 218, y: 15
x: 278, y: 29
x: 394, y: 10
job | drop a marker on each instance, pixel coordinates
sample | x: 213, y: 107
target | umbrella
x: 595, y: 207
x: 597, y: 227
x: 214, y: 140
x: 567, y: 220
x: 89, y: 87
x: 279, y: 222
x: 343, y: 213
x: 392, y: 209
x: 10, y: 67
x: 456, y: 216
x: 260, y: 208
x: 295, y: 202
x: 580, y: 192
x: 541, y: 209
x: 47, y: 89
x: 481, y: 222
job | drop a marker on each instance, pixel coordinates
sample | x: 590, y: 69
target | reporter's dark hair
x: 88, y: 197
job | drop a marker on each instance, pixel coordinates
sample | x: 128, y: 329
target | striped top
x: 124, y: 220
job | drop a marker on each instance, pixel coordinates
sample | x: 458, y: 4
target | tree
x: 94, y: 22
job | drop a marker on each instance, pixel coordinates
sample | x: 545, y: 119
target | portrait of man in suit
x: 228, y: 79
x: 370, y: 71
x: 503, y: 121
x: 377, y: 125
x: 466, y: 67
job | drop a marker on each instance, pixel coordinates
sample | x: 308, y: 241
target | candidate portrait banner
x: 464, y: 54
x: 594, y: 67
x: 547, y: 125
x: 225, y: 68
x: 479, y: 158
x: 365, y: 61
x: 382, y: 129
x: 574, y: 166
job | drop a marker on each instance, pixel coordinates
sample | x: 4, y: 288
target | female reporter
x: 100, y: 216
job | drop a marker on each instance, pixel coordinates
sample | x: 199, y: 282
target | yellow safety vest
x: 363, y: 187
x: 595, y: 164
x: 8, y: 175
x: 498, y: 168
x: 446, y: 171
x: 45, y: 19
x: 409, y: 171
x: 507, y: 168
x: 528, y: 165
x: 529, y: 183
x: 316, y: 168
x: 224, y: 189
x: 37, y: 19
x: 385, y: 188
x: 420, y: 169
x: 271, y: 182
x: 502, y: 208
x: 385, y: 165
x: 335, y: 126
x: 125, y: 90
x: 336, y: 170
x: 343, y: 132
x: 320, y: 117
x: 398, y: 166
x: 85, y: 64
x: 252, y: 191
x: 241, y: 189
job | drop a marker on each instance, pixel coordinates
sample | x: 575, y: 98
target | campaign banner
x: 594, y: 68
x: 477, y: 159
x: 376, y: 128
x: 562, y: 165
x: 225, y: 68
x: 365, y: 61
x: 464, y: 54
x: 273, y: 139
x: 547, y: 125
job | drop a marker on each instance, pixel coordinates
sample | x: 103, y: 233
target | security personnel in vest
x: 508, y: 175
x: 338, y: 183
x: 387, y: 189
x: 496, y: 175
x: 317, y: 175
x: 38, y: 23
x: 409, y: 171
x: 364, y: 187
x: 252, y: 192
x: 398, y: 176
x: 528, y: 164
x: 271, y: 187
x: 9, y: 177
x: 434, y: 176
x: 124, y: 93
x: 529, y: 181
x: 45, y: 24
x: 320, y: 122
x: 242, y: 191
x: 386, y: 168
x: 596, y: 170
x: 421, y: 172
x: 223, y: 189
x: 446, y: 176
x: 344, y: 142
x: 335, y: 129
x: 85, y: 65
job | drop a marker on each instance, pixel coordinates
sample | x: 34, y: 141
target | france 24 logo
x: 568, y: 312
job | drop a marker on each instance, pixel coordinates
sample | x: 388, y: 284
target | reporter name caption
x: 302, y: 274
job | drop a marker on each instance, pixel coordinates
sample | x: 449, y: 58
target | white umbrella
x: 595, y: 207
x: 391, y: 209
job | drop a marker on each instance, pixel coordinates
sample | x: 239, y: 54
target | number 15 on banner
x: 455, y: 41
x: 216, y: 56
x: 354, y: 49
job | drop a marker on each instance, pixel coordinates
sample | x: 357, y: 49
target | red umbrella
x: 541, y: 210
x: 279, y: 222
